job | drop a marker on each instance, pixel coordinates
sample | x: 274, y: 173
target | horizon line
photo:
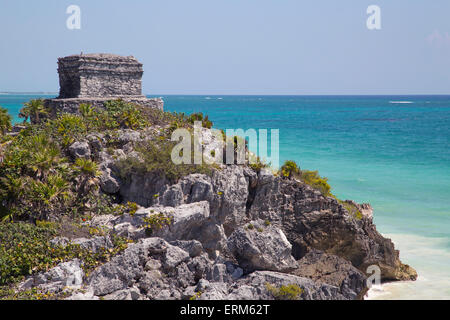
x: 247, y: 94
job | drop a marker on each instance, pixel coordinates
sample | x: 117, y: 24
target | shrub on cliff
x: 33, y: 179
x: 313, y: 179
x: 5, y: 121
x: 290, y: 169
x: 25, y: 249
x: 257, y: 164
x: 206, y: 123
x: 124, y: 115
x: 155, y: 156
x: 38, y: 180
x: 351, y: 209
x: 34, y: 110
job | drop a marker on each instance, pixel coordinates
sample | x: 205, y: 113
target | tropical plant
x: 313, y: 179
x: 156, y: 222
x: 41, y: 154
x: 86, y: 110
x: 49, y: 195
x: 206, y: 123
x: 290, y: 169
x: 87, y: 171
x: 5, y: 121
x: 33, y: 110
x: 156, y: 156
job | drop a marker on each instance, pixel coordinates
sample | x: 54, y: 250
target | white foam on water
x: 431, y: 259
x: 401, y: 102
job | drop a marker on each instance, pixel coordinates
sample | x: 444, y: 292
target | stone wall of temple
x: 99, y: 75
x: 96, y: 78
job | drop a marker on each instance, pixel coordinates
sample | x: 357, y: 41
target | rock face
x: 261, y: 248
x: 312, y: 221
x: 96, y: 78
x: 334, y: 271
x: 235, y: 235
x: 308, y: 219
x: 65, y: 275
x: 80, y: 150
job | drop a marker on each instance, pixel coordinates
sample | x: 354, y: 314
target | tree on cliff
x: 33, y: 110
x: 5, y: 121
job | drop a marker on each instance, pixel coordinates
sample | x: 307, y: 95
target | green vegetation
x: 313, y: 179
x: 196, y: 296
x: 34, y: 110
x: 289, y: 292
x: 8, y: 293
x: 156, y: 157
x: 41, y: 188
x: 26, y: 249
x: 290, y: 169
x: 34, y: 178
x: 206, y: 123
x: 352, y: 209
x: 258, y: 165
x: 5, y: 121
x: 38, y: 181
x: 156, y: 222
x: 132, y: 207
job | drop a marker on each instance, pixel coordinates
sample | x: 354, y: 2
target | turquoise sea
x: 390, y: 151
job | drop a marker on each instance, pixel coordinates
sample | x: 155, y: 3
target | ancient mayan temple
x: 96, y: 78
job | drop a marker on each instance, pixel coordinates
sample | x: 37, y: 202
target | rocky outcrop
x: 332, y: 270
x: 260, y: 248
x: 234, y: 234
x: 155, y: 269
x: 237, y: 195
x: 67, y: 275
x: 80, y: 149
x: 227, y: 192
x: 312, y: 221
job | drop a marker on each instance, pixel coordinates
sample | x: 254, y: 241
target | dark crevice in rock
x: 251, y: 197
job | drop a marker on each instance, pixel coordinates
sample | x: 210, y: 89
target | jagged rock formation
x: 232, y: 235
x: 96, y: 78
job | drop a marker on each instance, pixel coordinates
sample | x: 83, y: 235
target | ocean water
x: 390, y: 151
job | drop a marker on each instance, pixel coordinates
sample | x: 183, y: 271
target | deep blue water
x: 375, y: 149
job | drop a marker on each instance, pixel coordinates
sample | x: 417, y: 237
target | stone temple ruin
x: 96, y: 78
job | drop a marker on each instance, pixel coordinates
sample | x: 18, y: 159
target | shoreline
x: 429, y: 257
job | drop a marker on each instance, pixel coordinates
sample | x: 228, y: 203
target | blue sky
x: 237, y: 46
